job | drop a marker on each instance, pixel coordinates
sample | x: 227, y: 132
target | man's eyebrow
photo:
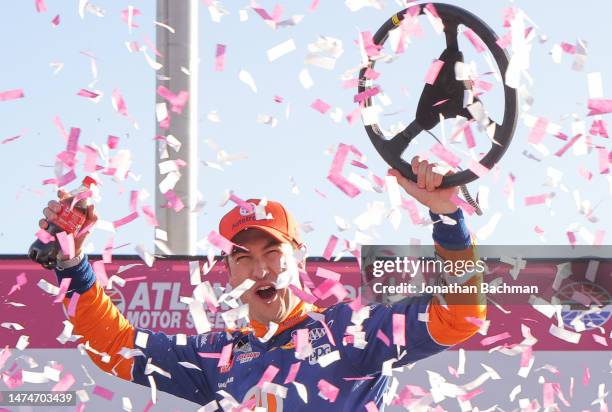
x: 272, y: 242
x: 239, y: 249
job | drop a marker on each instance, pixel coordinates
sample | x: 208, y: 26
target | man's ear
x: 300, y: 254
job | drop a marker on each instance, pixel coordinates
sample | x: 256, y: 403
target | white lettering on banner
x: 140, y: 298
x: 161, y: 288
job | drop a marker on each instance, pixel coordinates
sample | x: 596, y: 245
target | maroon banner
x: 151, y: 299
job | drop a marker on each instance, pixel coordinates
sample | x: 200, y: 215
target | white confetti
x: 281, y: 49
x: 247, y: 79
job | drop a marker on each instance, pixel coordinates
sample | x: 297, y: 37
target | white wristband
x: 65, y: 264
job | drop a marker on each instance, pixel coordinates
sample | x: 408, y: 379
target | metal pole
x: 178, y: 50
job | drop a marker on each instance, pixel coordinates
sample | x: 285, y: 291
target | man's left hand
x: 425, y: 190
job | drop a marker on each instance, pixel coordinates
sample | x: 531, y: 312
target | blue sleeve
x: 452, y: 237
x: 195, y: 385
x: 419, y: 343
x: 82, y: 275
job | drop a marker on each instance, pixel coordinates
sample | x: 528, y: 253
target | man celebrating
x: 293, y: 355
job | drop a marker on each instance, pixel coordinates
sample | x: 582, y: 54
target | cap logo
x: 245, y: 212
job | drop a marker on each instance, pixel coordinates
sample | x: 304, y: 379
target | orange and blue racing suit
x: 356, y: 378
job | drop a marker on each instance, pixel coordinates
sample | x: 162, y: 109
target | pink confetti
x: 384, y: 338
x: 538, y: 230
x: 492, y: 339
x: 20, y: 280
x: 536, y: 200
x: 571, y: 237
x: 366, y: 94
x: 445, y: 154
x: 133, y: 200
x: 335, y: 173
x: 63, y: 288
x: 66, y: 241
x: 100, y: 271
x: 56, y: 21
x: 371, y: 74
x: 353, y: 116
x: 177, y: 101
x: 350, y: 83
x: 13, y: 138
x: 586, y: 377
x: 327, y: 274
x: 327, y: 390
x: 40, y: 6
x: 596, y: 106
x: 600, y: 339
x: 568, y: 48
x: 64, y: 383
x: 11, y: 95
x: 220, y: 242
x: 561, y: 151
x: 149, y: 214
x: 478, y: 169
x: 112, y: 142
x: 371, y: 407
x: 147, y: 407
x: 538, y: 131
x: 87, y: 93
x: 599, y: 128
x: 526, y: 357
x: 226, y: 354
x: 413, y: 211
x: 74, y: 299
x: 103, y: 392
x: 505, y: 41
x: 399, y: 329
x: 599, y: 237
x: 174, y: 201
x: 128, y: 15
x: 210, y: 355
x: 306, y: 297
x: 91, y: 158
x: 44, y: 236
x: 604, y: 159
x: 433, y: 71
x: 549, y: 391
x: 313, y: 6
x: 119, y: 103
x: 300, y: 340
x: 268, y: 376
x: 320, y: 106
x: 469, y: 136
x: 293, y: 370
x: 125, y: 220
x: 475, y: 40
x: 440, y: 102
x: 329, y: 249
x: 475, y: 321
x: 243, y: 204
x: 220, y: 57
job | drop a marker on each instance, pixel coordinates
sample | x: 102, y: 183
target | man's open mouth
x: 266, y: 293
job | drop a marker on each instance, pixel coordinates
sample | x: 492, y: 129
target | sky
x: 300, y: 147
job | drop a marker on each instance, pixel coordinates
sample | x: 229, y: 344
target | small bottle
x: 68, y: 220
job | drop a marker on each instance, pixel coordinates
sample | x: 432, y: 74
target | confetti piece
x: 87, y: 93
x: 433, y: 71
x: 564, y: 334
x: 445, y: 155
x: 119, y: 103
x: 331, y: 245
x: 23, y: 342
x: 103, y: 392
x: 492, y: 339
x: 475, y: 40
x: 384, y: 338
x: 320, y: 106
x: 328, y: 358
x: 281, y: 49
x: 538, y: 131
x: 335, y: 173
x: 11, y: 95
x: 247, y: 79
x: 40, y: 6
x: 220, y: 57
x: 268, y: 375
x: 66, y: 241
x: 11, y: 325
x: 327, y: 391
x: 293, y: 371
x: 125, y: 220
x: 596, y: 106
x: 63, y: 288
x: 226, y: 353
x: 399, y: 329
x: 20, y: 280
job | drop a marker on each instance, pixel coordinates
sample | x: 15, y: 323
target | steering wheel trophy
x: 445, y: 88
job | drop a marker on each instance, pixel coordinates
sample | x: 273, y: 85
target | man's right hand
x: 54, y: 207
